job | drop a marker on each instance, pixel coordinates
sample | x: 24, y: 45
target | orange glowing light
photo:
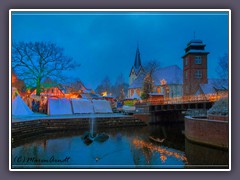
x: 163, y: 151
x: 163, y: 158
x: 104, y: 93
x: 163, y: 82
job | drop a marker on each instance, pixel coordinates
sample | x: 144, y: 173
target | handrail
x: 188, y: 99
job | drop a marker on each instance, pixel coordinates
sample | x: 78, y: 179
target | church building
x: 167, y: 81
x: 171, y: 81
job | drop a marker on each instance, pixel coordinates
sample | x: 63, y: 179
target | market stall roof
x: 19, y: 107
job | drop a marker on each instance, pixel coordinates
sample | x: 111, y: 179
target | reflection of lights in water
x: 97, y: 159
x: 163, y: 151
x: 163, y: 158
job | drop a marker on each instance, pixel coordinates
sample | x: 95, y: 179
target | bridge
x: 176, y: 108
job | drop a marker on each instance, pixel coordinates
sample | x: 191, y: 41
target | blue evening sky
x: 105, y: 43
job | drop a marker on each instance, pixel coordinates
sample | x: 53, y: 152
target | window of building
x: 186, y: 61
x: 198, y: 59
x: 138, y: 91
x: 131, y: 92
x: 198, y: 74
x: 186, y: 75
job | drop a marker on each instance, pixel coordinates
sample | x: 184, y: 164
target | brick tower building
x: 194, y: 67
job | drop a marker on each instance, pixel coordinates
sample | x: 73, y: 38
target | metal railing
x: 188, y: 99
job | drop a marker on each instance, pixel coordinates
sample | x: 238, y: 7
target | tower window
x: 198, y: 74
x: 186, y: 61
x: 186, y: 75
x: 198, y: 59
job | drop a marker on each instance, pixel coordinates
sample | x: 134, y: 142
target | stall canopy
x: 59, y: 106
x: 102, y: 106
x: 19, y: 107
x: 82, y: 106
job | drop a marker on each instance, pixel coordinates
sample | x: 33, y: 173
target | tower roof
x: 195, y: 46
x: 137, y: 62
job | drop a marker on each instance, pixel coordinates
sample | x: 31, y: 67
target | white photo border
x: 116, y: 10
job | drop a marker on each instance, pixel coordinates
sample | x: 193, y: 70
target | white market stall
x: 59, y: 106
x: 82, y: 106
x: 102, y: 106
x: 19, y: 107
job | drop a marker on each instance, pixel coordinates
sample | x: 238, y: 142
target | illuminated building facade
x: 194, y: 67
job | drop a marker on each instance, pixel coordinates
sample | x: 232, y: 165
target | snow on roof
x: 213, y: 85
x: 196, y: 44
x: 195, y: 41
x: 207, y: 88
x: 171, y: 74
x: 91, y: 96
x: 221, y: 84
x: 196, y: 51
x: 87, y: 91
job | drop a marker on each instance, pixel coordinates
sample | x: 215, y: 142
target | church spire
x: 136, y: 68
x: 137, y: 62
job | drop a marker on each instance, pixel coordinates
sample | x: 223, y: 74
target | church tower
x: 194, y: 67
x: 136, y: 68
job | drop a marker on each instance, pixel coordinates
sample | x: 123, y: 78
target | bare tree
x: 105, y: 86
x: 222, y: 68
x: 151, y: 67
x: 120, y: 87
x: 75, y: 86
x: 34, y: 61
x: 148, y: 84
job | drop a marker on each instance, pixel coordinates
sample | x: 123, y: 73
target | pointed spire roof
x: 137, y: 62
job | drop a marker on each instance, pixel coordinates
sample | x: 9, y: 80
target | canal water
x: 129, y: 147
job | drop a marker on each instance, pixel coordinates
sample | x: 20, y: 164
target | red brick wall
x: 206, y: 131
x: 191, y: 82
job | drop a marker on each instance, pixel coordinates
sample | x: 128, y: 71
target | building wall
x: 53, y: 91
x: 190, y: 82
x: 211, y: 132
x: 132, y: 77
x: 175, y: 90
x: 131, y: 91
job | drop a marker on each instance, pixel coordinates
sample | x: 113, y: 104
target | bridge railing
x: 189, y: 99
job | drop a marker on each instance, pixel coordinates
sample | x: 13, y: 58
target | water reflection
x: 200, y: 156
x: 164, y: 153
x: 125, y: 148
